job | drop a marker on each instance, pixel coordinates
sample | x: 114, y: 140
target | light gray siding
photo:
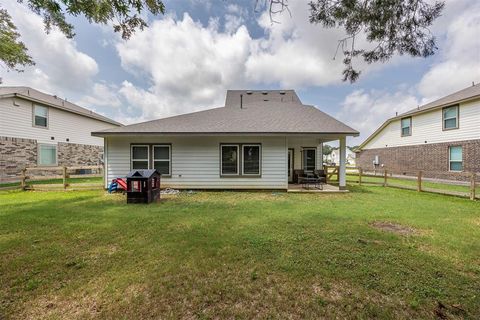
x: 427, y: 128
x: 196, y: 161
x: 298, y: 144
x: 16, y: 120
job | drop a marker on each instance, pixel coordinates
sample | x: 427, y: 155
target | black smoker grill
x: 143, y: 186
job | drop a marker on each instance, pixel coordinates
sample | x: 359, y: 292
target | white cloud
x: 459, y: 63
x: 367, y: 110
x: 102, y: 95
x: 60, y: 66
x: 190, y: 66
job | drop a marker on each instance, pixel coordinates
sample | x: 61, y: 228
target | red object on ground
x: 122, y: 183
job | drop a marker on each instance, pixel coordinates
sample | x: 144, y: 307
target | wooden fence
x: 388, y: 178
x: 28, y: 178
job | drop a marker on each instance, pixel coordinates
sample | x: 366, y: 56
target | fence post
x: 472, y: 186
x: 64, y: 172
x: 385, y: 177
x: 359, y: 176
x: 24, y: 179
x: 419, y: 181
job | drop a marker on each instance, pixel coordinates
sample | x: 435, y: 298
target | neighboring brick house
x: 441, y: 139
x: 37, y: 129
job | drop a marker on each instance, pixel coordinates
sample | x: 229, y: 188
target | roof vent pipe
x: 241, y: 101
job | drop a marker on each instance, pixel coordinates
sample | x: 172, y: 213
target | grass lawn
x: 240, y: 255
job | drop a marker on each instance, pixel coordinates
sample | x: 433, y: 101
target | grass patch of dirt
x: 393, y: 228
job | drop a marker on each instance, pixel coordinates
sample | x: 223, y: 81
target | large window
x: 450, y: 118
x: 240, y: 160
x: 229, y: 159
x: 251, y: 159
x: 47, y: 155
x: 455, y: 158
x: 40, y: 116
x: 140, y: 156
x: 309, y: 159
x: 406, y: 124
x: 161, y: 159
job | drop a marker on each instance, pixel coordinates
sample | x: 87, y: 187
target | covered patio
x: 305, y: 160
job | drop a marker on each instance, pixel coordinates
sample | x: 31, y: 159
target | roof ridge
x: 62, y: 104
x: 433, y: 102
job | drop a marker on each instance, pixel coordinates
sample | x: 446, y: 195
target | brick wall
x: 17, y: 153
x: 432, y: 159
x: 72, y: 154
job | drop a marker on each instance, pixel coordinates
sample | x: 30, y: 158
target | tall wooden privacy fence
x: 417, y: 181
x: 59, y: 178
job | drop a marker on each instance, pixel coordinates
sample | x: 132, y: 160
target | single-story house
x: 255, y: 141
x: 441, y: 139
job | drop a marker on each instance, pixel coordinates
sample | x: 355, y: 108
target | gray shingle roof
x: 464, y: 94
x: 53, y: 101
x: 257, y: 116
x: 251, y: 96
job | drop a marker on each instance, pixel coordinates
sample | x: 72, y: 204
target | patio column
x: 342, y: 170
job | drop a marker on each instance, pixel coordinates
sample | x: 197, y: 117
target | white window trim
x: 164, y: 160
x: 238, y: 160
x: 444, y: 119
x: 409, y: 127
x: 450, y: 160
x: 131, y: 155
x: 259, y: 159
x: 38, y: 155
x: 303, y: 157
x: 33, y: 117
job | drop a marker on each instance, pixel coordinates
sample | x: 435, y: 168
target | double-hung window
x: 140, y: 156
x: 309, y: 159
x: 251, y: 159
x: 229, y: 159
x: 450, y: 118
x: 40, y: 116
x: 455, y: 158
x: 406, y: 124
x: 47, y: 155
x: 161, y: 159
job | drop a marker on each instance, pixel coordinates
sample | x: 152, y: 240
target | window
x: 40, y: 116
x: 47, y: 155
x: 229, y: 159
x: 450, y: 118
x: 139, y: 157
x: 161, y: 159
x: 309, y: 159
x: 455, y: 158
x: 406, y: 124
x: 251, y: 159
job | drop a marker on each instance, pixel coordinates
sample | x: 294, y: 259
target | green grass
x: 54, y: 181
x: 239, y: 255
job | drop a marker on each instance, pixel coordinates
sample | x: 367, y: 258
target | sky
x: 187, y: 59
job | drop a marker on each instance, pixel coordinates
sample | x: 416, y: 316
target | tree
x: 124, y: 14
x: 13, y: 52
x: 327, y: 149
x: 392, y: 26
